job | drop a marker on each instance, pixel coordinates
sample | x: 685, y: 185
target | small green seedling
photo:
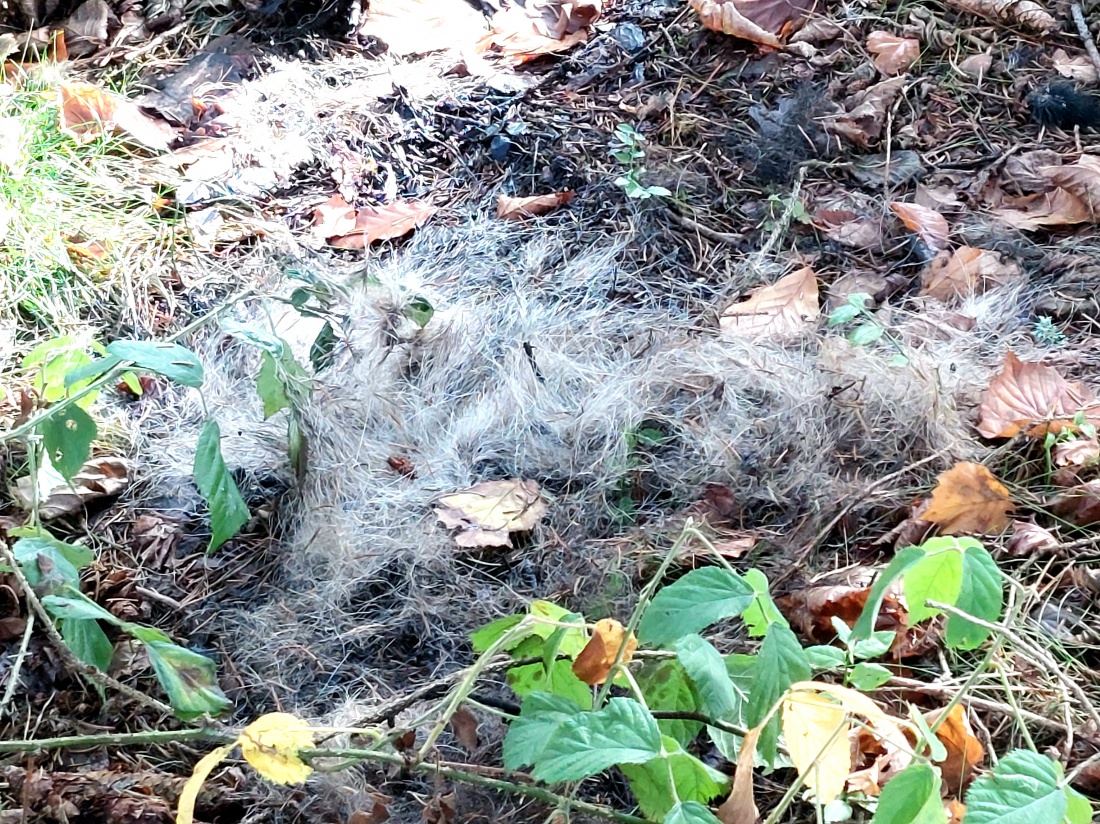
x: 627, y: 148
x: 870, y: 330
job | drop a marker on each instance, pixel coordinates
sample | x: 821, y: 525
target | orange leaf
x: 92, y: 250
x: 333, y: 218
x: 1058, y: 207
x: 89, y: 111
x: 781, y: 310
x: 893, y: 54
x: 594, y: 662
x: 964, y: 750
x: 929, y: 224
x: 517, y: 38
x: 1028, y: 393
x: 383, y: 223
x: 955, y: 810
x: 966, y: 271
x: 740, y: 807
x: 968, y: 498
x: 519, y: 208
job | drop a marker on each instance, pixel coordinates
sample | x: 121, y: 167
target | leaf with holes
x: 785, y: 309
x: 228, y: 511
x: 67, y: 436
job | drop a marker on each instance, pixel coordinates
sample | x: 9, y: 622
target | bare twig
x: 709, y: 234
x: 1085, y: 35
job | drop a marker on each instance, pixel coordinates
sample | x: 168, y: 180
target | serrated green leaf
x: 762, y: 612
x: 169, y: 359
x: 491, y: 633
x: 228, y: 511
x: 825, y: 658
x: 911, y: 797
x: 937, y: 577
x: 1078, y: 808
x: 866, y: 677
x: 658, y: 783
x: 690, y: 812
x: 844, y: 314
x: 666, y: 688
x: 780, y: 663
x: 717, y: 697
x: 865, y: 334
x: 67, y: 436
x: 906, y: 558
x: 1024, y: 788
x: 981, y: 595
x: 623, y: 732
x: 558, y: 679
x: 540, y: 715
x: 88, y: 642
x: 189, y: 679
x: 694, y: 602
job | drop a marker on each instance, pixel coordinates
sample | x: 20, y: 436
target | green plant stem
x: 29, y: 426
x: 120, y: 739
x: 466, y: 776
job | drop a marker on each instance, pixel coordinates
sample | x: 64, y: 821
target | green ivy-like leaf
x: 911, y: 797
x: 865, y: 334
x: 228, y: 511
x: 1024, y: 788
x: 906, y: 558
x: 419, y: 311
x: 67, y: 436
x: 666, y: 688
x: 877, y: 645
x: 690, y: 812
x: 780, y: 663
x: 623, y: 732
x: 717, y: 697
x: 936, y: 577
x: 169, y: 359
x: 189, y: 679
x: 843, y: 314
x: 762, y: 612
x: 652, y: 782
x: 981, y: 595
x: 88, y: 642
x: 540, y: 716
x: 694, y: 602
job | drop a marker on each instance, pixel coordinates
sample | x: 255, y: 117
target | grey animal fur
x: 373, y: 596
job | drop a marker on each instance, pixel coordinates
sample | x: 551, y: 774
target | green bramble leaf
x: 694, y: 602
x: 981, y: 595
x: 540, y: 716
x: 88, y: 642
x: 677, y: 774
x: 666, y: 687
x: 762, y: 612
x: 169, y: 359
x: 1024, y: 788
x: 781, y: 662
x: 690, y: 812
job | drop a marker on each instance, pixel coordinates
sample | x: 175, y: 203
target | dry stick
x: 709, y: 234
x: 17, y: 667
x: 117, y: 739
x: 71, y: 662
x: 1085, y: 34
x: 1035, y: 654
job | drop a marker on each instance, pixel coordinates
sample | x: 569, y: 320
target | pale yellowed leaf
x: 271, y: 744
x: 185, y: 809
x: 816, y: 731
x: 485, y: 514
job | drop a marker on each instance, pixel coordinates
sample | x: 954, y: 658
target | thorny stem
x: 72, y: 663
x: 464, y: 775
x: 118, y: 739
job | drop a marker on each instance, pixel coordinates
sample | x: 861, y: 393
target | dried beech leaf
x: 969, y: 499
x: 1081, y: 179
x: 1078, y: 68
x: 517, y: 38
x: 785, y: 309
x: 333, y: 218
x: 740, y: 807
x: 849, y: 228
x: 593, y: 664
x: 964, y: 751
x: 1026, y: 13
x: 99, y: 478
x: 966, y: 271
x: 977, y: 65
x: 487, y: 513
x: 520, y: 208
x: 1044, y: 209
x: 724, y: 16
x: 1029, y: 393
x: 893, y: 54
x: 1030, y: 539
x: 383, y: 223
x: 813, y: 609
x: 1078, y: 452
x: 88, y: 112
x: 865, y: 112
x: 1079, y: 505
x: 929, y: 224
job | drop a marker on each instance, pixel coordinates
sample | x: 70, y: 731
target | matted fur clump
x: 532, y: 368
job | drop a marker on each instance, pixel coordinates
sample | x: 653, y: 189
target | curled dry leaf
x: 486, y: 514
x: 893, y: 54
x: 88, y: 112
x: 966, y: 271
x: 1081, y: 179
x: 964, y: 751
x: 1025, y: 13
x: 1079, y: 505
x: 1078, y: 68
x: 812, y: 610
x: 1030, y: 395
x: 740, y: 807
x: 520, y: 208
x: 594, y: 662
x: 968, y: 498
x: 1078, y: 452
x: 98, y: 478
x: 1058, y: 207
x: 785, y: 309
x: 849, y: 228
x: 865, y: 112
x: 1029, y: 540
x: 464, y: 726
x: 343, y: 227
x: 517, y: 38
x: 764, y: 22
x: 929, y: 224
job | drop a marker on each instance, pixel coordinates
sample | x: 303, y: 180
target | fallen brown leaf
x: 1030, y: 393
x: 812, y: 610
x: 1044, y: 209
x: 1030, y: 539
x: 464, y: 726
x: 968, y: 498
x: 98, y: 478
x: 964, y: 750
x: 849, y: 228
x: 955, y: 810
x: 740, y: 807
x: 88, y: 112
x: 517, y: 38
x: 1078, y: 68
x: 966, y: 271
x: 784, y: 309
x: 593, y: 664
x: 865, y: 112
x: 521, y: 208
x: 1080, y: 505
x: 977, y: 65
x: 1081, y: 179
x: 487, y: 513
x: 1025, y: 13
x: 333, y: 218
x: 371, y: 223
x: 929, y: 224
x: 893, y: 54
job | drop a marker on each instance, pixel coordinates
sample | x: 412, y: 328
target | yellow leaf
x: 886, y: 727
x: 271, y: 744
x: 185, y: 813
x: 816, y: 731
